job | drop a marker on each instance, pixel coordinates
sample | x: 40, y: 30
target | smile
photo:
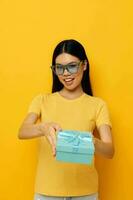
x: 68, y: 79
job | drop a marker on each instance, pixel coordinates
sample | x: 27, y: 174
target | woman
x: 69, y: 106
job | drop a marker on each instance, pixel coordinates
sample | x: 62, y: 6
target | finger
x: 50, y: 139
x: 57, y: 127
x: 52, y: 134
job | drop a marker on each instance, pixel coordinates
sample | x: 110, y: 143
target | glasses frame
x: 66, y: 67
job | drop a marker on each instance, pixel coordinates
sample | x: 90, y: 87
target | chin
x: 71, y: 88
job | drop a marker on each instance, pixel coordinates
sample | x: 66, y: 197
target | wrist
x: 41, y: 129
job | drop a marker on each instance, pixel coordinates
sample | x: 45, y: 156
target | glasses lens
x: 73, y: 68
x: 59, y: 69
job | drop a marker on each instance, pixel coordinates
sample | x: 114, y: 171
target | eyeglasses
x: 71, y: 68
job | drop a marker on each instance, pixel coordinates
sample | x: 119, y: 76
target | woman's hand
x: 49, y: 130
x: 30, y: 129
x: 104, y: 146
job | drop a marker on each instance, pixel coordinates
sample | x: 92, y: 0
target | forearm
x: 103, y: 148
x: 28, y: 131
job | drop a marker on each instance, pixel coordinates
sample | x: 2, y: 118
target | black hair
x: 74, y: 48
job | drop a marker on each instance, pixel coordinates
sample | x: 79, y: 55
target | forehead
x: 65, y: 58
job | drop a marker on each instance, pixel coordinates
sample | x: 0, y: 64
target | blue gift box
x: 75, y: 146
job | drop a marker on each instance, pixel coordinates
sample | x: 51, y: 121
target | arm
x: 104, y: 146
x: 29, y: 128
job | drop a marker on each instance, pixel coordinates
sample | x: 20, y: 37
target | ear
x: 85, y: 65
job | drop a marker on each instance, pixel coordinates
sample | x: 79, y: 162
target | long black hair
x: 74, y: 48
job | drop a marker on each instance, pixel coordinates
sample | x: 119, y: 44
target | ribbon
x: 75, y: 138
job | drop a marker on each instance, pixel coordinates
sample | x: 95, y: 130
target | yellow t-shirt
x: 84, y: 113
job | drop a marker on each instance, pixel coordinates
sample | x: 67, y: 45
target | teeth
x: 68, y: 79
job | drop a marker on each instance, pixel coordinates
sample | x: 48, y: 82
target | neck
x: 71, y: 93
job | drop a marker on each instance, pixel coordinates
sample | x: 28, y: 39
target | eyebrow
x: 66, y: 64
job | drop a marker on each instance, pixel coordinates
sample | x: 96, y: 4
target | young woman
x: 70, y: 106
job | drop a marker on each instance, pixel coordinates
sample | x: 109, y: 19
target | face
x: 70, y: 81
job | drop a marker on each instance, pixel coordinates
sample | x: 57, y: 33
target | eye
x: 58, y: 66
x: 72, y: 65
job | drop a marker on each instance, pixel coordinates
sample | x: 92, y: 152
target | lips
x: 68, y: 79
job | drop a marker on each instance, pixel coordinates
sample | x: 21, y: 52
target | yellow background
x: 29, y: 31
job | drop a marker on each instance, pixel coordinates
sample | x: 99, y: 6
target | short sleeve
x: 102, y: 116
x: 35, y: 105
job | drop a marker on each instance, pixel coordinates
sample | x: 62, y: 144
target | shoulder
x: 95, y: 100
x: 43, y: 96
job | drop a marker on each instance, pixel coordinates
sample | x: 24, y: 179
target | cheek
x: 60, y: 79
x: 79, y: 77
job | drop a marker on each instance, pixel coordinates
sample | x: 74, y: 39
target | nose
x: 66, y: 72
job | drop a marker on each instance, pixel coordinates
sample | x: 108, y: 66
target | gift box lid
x: 73, y: 141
